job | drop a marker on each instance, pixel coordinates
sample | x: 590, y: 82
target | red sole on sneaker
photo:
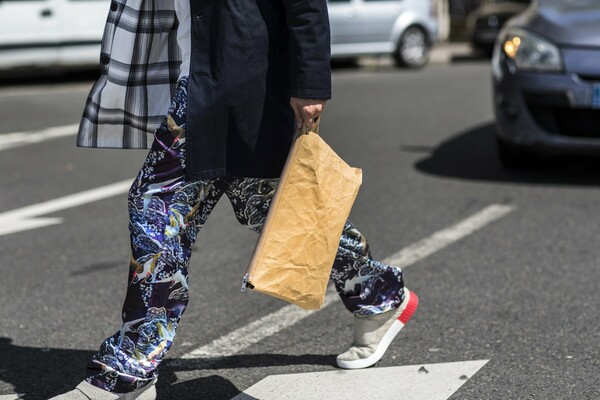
x: 410, y: 309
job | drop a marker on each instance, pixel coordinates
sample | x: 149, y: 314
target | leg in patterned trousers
x: 166, y: 213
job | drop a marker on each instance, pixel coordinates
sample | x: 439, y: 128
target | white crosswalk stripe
x: 26, y: 218
x: 413, y: 382
x: 10, y: 396
x: 237, y: 341
x: 18, y: 139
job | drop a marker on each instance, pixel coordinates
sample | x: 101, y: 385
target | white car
x: 51, y: 33
x: 405, y: 29
x: 67, y: 33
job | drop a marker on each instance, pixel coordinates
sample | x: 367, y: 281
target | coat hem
x: 226, y: 173
x: 208, y: 174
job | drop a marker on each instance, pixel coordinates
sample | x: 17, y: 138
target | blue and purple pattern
x: 166, y: 212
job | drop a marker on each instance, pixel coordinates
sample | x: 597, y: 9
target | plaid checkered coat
x: 248, y: 58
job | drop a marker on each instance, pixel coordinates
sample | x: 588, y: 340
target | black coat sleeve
x: 309, y: 47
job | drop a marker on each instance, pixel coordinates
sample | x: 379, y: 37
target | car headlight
x: 530, y: 52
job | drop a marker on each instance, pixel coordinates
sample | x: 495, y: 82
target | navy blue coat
x: 248, y: 58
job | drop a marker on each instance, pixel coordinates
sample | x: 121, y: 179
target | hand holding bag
x: 300, y: 238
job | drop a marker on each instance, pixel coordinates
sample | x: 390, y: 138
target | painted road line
x: 413, y: 382
x: 11, y: 396
x: 26, y: 218
x: 446, y: 237
x: 40, y: 90
x: 18, y: 139
x: 244, y: 337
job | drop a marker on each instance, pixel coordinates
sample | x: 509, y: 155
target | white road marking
x: 254, y: 332
x: 40, y: 90
x: 11, y: 396
x: 25, y: 218
x: 17, y: 139
x: 445, y: 237
x: 405, y: 381
x: 413, y: 382
x: 244, y: 337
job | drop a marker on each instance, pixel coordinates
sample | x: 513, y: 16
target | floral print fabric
x: 166, y: 212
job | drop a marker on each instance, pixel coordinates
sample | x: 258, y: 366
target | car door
x: 342, y: 17
x: 80, y: 32
x: 28, y: 33
x: 376, y: 18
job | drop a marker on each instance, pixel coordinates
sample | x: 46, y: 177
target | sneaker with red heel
x: 373, y: 334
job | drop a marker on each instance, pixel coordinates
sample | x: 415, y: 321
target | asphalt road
x: 521, y: 292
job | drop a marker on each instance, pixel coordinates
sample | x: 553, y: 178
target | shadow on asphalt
x: 46, y: 77
x: 471, y: 57
x: 43, y: 373
x: 472, y: 155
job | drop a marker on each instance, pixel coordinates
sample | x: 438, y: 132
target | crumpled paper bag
x: 299, y: 241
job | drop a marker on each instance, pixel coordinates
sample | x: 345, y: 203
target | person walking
x: 218, y: 88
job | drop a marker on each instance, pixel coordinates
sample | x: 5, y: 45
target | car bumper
x: 551, y: 112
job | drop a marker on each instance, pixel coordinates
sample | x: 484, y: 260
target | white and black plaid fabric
x: 140, y: 63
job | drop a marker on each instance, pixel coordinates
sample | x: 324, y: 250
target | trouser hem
x: 107, y: 378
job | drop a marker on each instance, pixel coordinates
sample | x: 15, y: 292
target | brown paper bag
x: 299, y: 241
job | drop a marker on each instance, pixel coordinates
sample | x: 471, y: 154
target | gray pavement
x: 521, y: 292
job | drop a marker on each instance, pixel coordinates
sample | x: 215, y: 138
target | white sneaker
x: 87, y: 391
x: 373, y: 334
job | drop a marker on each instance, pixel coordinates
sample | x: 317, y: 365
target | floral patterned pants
x: 166, y: 212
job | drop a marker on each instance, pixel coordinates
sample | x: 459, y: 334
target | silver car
x: 51, y: 33
x: 546, y: 78
x: 405, y: 29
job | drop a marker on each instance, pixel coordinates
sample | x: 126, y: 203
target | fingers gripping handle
x: 306, y: 129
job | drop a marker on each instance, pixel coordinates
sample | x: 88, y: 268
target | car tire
x: 412, y: 50
x: 513, y: 156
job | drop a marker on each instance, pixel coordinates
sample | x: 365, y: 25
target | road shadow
x: 248, y: 361
x: 42, y: 373
x: 474, y: 56
x: 471, y: 155
x: 216, y: 387
x: 43, y: 77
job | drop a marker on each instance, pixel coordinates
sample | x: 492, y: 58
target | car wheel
x: 413, y: 47
x: 516, y: 157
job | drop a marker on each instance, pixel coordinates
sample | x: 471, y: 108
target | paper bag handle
x: 305, y: 129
